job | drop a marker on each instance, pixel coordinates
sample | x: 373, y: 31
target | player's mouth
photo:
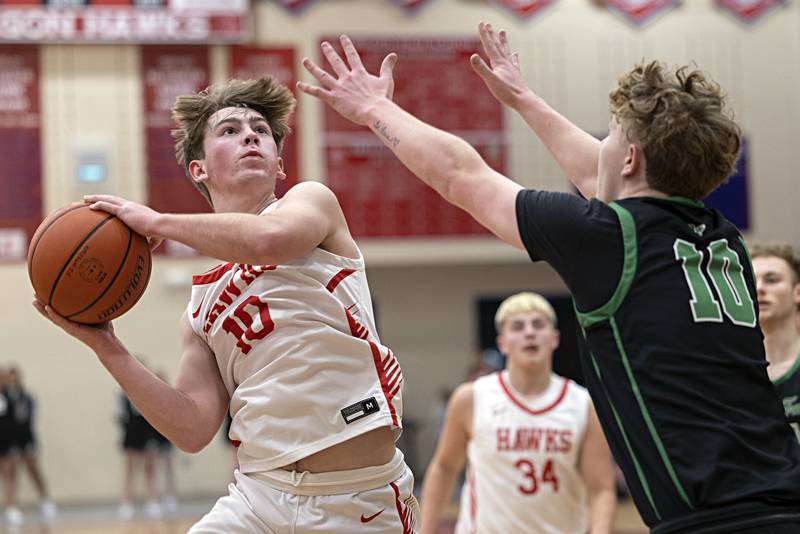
x: 252, y: 154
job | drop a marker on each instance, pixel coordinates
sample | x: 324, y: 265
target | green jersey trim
x: 636, y: 465
x: 749, y: 259
x: 686, y: 202
x: 607, y: 310
x: 662, y: 452
x: 788, y: 374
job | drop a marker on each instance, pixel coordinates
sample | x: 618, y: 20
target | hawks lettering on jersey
x: 534, y: 439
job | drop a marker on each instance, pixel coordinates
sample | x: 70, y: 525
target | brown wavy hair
x: 681, y: 121
x: 191, y: 113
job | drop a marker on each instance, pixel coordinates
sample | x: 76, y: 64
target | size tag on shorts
x: 356, y: 411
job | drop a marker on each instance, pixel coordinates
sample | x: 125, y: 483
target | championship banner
x: 410, y: 5
x: 250, y: 63
x: 640, y: 11
x: 20, y: 159
x: 524, y: 9
x: 125, y: 21
x: 435, y: 82
x: 295, y: 5
x: 166, y: 74
x: 749, y: 11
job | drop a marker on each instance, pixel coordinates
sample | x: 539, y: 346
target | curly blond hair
x: 191, y: 113
x: 681, y: 122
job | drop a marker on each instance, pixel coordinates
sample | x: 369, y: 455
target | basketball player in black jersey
x: 777, y: 270
x: 663, y: 286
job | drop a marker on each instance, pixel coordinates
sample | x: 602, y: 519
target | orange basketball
x: 88, y: 265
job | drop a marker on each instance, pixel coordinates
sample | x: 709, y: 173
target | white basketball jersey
x: 299, y: 354
x: 523, y: 460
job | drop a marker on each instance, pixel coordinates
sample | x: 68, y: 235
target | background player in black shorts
x: 137, y: 445
x: 163, y: 451
x: 13, y: 514
x: 23, y: 440
x: 777, y: 270
x: 663, y: 287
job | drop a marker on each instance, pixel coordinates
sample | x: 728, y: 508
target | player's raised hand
x: 502, y: 75
x: 138, y: 217
x: 350, y: 90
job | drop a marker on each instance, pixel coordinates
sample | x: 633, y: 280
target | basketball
x: 88, y: 265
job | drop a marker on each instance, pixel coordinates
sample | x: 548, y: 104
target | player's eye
x: 262, y: 130
x: 228, y: 130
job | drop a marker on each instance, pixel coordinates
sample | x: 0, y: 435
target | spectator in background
x: 14, y: 515
x: 23, y: 441
x: 163, y: 451
x: 137, y: 440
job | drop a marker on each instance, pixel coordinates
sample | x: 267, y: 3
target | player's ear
x: 556, y: 338
x: 633, y: 160
x: 197, y: 170
x: 501, y: 343
x: 280, y: 175
x: 797, y: 295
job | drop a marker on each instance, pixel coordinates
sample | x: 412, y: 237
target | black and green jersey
x: 788, y: 386
x: 673, y: 355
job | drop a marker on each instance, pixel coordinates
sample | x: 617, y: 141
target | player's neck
x: 243, y: 204
x: 781, y: 341
x: 529, y: 383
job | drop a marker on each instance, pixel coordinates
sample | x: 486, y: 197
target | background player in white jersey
x: 282, y: 333
x: 538, y: 461
x: 777, y: 271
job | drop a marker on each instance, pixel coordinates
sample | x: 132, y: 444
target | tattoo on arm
x: 384, y: 131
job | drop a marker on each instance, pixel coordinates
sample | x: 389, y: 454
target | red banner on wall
x: 251, y: 63
x: 20, y: 158
x: 166, y: 74
x: 749, y: 11
x: 410, y: 5
x: 523, y: 8
x: 435, y: 82
x: 295, y: 5
x: 641, y: 11
x: 113, y: 21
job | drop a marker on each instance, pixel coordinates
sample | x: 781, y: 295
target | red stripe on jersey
x: 473, y: 500
x: 213, y: 275
x: 336, y: 280
x: 388, y: 395
x: 356, y: 329
x: 403, y: 510
x: 520, y: 404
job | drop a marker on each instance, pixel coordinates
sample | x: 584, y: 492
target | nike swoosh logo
x: 197, y: 311
x: 367, y: 519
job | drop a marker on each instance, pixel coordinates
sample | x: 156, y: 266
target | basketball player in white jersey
x: 281, y: 332
x: 538, y: 461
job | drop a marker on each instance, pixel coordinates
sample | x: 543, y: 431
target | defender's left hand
x: 352, y: 91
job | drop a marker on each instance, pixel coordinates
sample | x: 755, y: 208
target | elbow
x: 191, y: 443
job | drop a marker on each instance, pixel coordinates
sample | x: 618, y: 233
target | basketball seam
x: 75, y: 251
x: 44, y: 231
x: 113, y: 278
